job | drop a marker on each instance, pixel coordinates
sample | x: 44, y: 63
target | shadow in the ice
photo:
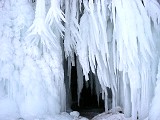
x: 88, y: 106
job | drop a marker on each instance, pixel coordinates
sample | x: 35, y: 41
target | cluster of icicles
x: 118, y: 40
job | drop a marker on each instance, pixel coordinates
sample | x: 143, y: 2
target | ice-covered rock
x: 105, y: 116
x: 74, y: 114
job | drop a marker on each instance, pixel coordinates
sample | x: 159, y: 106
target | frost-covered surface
x: 31, y: 72
x: 117, y: 40
x: 111, y: 116
x: 116, y: 116
x: 155, y: 105
x: 62, y: 116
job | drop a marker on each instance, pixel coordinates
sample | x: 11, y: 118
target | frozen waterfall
x: 112, y: 44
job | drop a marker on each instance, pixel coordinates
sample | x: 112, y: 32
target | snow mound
x: 105, y: 116
x: 74, y: 114
x: 61, y: 116
x: 116, y: 109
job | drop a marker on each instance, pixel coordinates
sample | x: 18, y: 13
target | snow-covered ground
x: 117, y: 116
x: 110, y: 116
x: 62, y: 116
x: 74, y: 116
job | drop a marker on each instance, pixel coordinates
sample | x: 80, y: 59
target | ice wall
x: 119, y: 44
x: 32, y: 80
x: 118, y: 40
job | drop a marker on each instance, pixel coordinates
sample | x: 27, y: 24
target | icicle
x: 95, y: 53
x: 80, y: 5
x: 73, y: 59
x: 82, y: 47
x: 39, y: 34
x: 103, y: 34
x: 91, y: 82
x: 72, y: 34
x: 69, y: 70
x: 106, y: 101
x: 130, y: 60
x: 55, y: 15
x: 98, y: 88
x: 127, y: 96
x: 155, y: 108
x: 46, y: 44
x: 153, y: 9
x: 79, y: 80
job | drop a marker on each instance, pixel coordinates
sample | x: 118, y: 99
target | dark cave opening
x: 88, y: 104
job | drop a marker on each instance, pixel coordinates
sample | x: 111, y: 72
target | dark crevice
x: 88, y: 106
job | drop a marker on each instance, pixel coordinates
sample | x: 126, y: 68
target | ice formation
x: 116, y: 40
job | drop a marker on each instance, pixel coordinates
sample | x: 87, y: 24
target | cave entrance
x: 89, y: 104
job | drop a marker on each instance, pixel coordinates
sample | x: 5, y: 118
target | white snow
x: 8, y: 108
x: 61, y: 116
x: 74, y: 114
x: 117, y: 116
x: 116, y: 40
